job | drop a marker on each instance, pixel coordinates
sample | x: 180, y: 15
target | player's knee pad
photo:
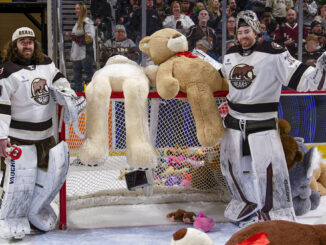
x: 17, y: 192
x: 48, y: 184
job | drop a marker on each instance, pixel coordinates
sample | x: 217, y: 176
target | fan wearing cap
x: 121, y: 45
x: 252, y: 159
x: 27, y: 107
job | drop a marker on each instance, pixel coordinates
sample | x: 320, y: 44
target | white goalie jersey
x: 26, y: 107
x: 256, y: 77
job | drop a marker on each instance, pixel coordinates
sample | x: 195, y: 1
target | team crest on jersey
x: 241, y: 76
x: 40, y: 91
x: 276, y: 45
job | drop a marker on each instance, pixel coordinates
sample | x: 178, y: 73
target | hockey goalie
x: 252, y: 158
x: 30, y: 84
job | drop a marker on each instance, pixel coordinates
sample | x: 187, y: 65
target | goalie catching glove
x: 73, y: 105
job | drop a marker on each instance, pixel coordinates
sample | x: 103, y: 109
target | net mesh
x: 185, y: 172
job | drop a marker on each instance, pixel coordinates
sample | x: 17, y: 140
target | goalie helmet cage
x: 185, y: 171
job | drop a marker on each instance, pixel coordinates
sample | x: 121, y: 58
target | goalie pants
x: 258, y: 181
x: 42, y: 147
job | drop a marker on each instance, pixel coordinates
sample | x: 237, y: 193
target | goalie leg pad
x: 270, y: 171
x: 17, y: 192
x: 48, y: 184
x: 243, y: 202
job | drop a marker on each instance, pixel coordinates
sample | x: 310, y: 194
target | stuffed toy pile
x: 301, y: 162
x: 178, y: 71
x: 318, y: 182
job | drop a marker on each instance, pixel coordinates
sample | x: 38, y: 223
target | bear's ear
x: 143, y: 45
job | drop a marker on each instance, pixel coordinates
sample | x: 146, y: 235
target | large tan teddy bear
x: 119, y: 74
x: 194, y: 76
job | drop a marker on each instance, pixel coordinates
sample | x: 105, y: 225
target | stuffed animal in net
x: 279, y: 232
x: 119, y: 74
x: 191, y: 236
x: 304, y: 199
x: 178, y: 71
x: 182, y: 215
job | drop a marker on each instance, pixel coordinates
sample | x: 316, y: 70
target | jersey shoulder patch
x: 7, y: 68
x: 270, y: 47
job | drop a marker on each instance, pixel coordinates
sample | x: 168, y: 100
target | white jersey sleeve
x: 302, y: 77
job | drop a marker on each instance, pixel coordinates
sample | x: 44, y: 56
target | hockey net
x: 185, y: 171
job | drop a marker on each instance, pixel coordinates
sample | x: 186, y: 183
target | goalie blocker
x: 27, y: 192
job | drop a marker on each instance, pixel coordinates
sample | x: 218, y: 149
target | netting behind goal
x: 185, y: 171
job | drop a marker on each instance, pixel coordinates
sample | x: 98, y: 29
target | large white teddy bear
x: 118, y: 74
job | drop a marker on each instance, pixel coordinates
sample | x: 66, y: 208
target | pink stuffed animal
x: 203, y: 223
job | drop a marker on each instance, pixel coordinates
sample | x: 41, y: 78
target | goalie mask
x: 248, y: 18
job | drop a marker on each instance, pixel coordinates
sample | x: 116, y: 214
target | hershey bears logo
x: 241, y: 76
x: 40, y: 91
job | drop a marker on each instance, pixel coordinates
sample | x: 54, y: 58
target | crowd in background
x: 201, y: 22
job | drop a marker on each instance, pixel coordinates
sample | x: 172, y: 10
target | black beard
x: 23, y: 61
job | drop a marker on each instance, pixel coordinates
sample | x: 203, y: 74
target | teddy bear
x: 279, y: 232
x: 179, y: 70
x: 182, y: 215
x: 290, y: 145
x: 118, y: 74
x: 318, y: 181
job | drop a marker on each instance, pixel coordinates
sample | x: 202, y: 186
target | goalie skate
x: 249, y: 221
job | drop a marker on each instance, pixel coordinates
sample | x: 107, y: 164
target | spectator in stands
x: 101, y: 13
x: 194, y: 16
x: 162, y: 9
x: 230, y: 28
x: 258, y: 6
x: 202, y: 31
x: 128, y: 13
x: 186, y: 7
x: 177, y: 20
x: 82, y: 48
x: 153, y: 22
x: 232, y: 9
x: 311, y: 50
x: 287, y: 33
x: 121, y: 45
x: 322, y: 17
x: 316, y: 28
x: 278, y: 9
x: 263, y: 35
x: 215, y: 14
x: 309, y: 11
x: 269, y: 22
x: 122, y: 9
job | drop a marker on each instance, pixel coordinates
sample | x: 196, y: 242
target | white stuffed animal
x: 191, y: 236
x: 118, y: 74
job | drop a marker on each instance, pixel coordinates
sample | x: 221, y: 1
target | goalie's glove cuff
x: 73, y: 105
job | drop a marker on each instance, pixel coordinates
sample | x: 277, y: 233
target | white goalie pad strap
x: 48, y: 184
x: 73, y: 105
x: 243, y: 201
x: 17, y: 192
x: 267, y: 152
